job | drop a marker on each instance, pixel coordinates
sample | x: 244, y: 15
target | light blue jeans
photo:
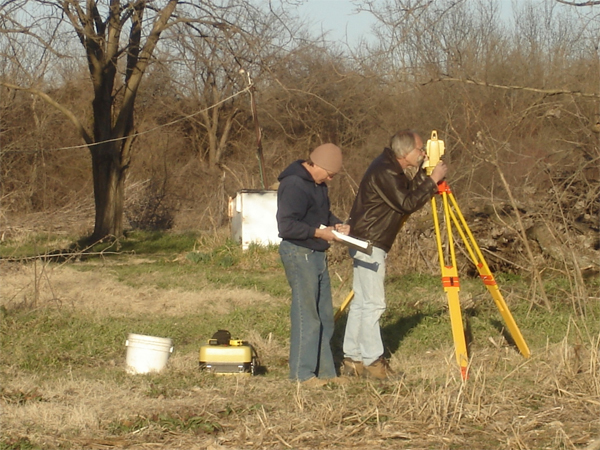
x: 311, y: 312
x: 362, y: 339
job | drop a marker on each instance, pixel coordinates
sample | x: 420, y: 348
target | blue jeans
x: 362, y: 338
x: 311, y: 313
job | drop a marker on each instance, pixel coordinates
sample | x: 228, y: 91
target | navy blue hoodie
x: 302, y: 206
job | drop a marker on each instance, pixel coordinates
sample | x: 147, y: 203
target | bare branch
x: 318, y: 97
x: 513, y: 87
x: 589, y: 3
x: 72, y: 117
x: 26, y: 32
x: 138, y: 70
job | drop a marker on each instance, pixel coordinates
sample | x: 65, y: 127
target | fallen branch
x: 67, y: 255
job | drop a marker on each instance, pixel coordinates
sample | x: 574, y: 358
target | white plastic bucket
x: 147, y: 353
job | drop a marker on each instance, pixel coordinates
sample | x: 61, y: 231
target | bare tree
x: 213, y: 71
x: 108, y: 34
x: 119, y: 41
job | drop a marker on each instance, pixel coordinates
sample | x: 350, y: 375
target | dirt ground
x: 94, y: 291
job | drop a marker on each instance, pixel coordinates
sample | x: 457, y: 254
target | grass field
x: 66, y: 316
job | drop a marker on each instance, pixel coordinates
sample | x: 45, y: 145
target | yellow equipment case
x: 228, y: 356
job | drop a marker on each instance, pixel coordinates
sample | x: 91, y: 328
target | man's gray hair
x: 403, y: 142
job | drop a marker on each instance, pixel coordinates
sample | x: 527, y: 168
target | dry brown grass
x: 551, y: 400
x: 535, y: 405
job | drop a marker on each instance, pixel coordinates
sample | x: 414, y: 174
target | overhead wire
x: 247, y: 89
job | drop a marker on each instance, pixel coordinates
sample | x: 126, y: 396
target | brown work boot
x: 380, y: 369
x: 313, y: 382
x: 339, y: 380
x: 351, y: 368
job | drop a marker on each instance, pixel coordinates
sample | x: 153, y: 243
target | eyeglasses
x: 329, y: 174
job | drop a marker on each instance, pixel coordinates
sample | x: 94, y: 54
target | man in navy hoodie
x: 306, y: 226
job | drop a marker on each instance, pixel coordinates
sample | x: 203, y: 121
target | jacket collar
x: 391, y: 156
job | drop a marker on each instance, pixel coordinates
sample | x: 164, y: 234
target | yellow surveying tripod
x: 450, y: 281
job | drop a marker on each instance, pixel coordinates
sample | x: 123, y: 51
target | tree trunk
x: 109, y: 186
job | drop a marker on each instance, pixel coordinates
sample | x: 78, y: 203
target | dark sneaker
x: 352, y: 368
x: 380, y: 369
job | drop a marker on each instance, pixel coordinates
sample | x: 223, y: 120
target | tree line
x: 101, y: 96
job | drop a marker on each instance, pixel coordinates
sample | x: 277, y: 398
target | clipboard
x: 353, y: 242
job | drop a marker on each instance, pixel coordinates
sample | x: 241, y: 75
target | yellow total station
x: 435, y: 151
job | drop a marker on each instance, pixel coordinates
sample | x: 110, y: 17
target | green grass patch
x: 34, y: 245
x: 17, y: 443
x: 134, y: 242
x: 146, y: 243
x: 227, y: 266
x: 193, y: 276
x: 49, y: 340
x: 173, y: 422
x: 417, y: 318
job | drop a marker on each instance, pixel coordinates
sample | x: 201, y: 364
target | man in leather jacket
x: 385, y: 199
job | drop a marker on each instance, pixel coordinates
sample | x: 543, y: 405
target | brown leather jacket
x: 385, y: 199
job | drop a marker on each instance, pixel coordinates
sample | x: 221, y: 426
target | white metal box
x: 253, y: 217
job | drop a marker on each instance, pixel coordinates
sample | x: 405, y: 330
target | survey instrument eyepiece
x: 435, y: 151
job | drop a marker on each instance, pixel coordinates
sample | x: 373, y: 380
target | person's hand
x: 439, y: 172
x: 325, y: 233
x: 343, y: 228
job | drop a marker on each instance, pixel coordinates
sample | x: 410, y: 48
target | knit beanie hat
x: 328, y: 157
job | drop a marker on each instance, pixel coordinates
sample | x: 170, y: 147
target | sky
x: 338, y: 17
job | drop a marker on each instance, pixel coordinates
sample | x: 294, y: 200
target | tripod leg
x: 343, y: 306
x: 486, y: 276
x: 451, y: 285
x: 458, y: 331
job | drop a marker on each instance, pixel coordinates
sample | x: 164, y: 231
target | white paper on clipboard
x: 353, y: 242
